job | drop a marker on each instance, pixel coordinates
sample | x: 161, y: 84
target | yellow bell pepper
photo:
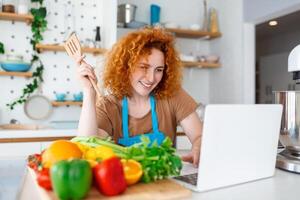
x: 99, y: 153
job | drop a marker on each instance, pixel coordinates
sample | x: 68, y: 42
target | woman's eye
x: 143, y: 67
x: 159, y: 70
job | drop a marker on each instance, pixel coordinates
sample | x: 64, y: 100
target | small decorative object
x: 98, y: 37
x: 23, y: 7
x: 8, y: 6
x: 205, y: 20
x: 15, y: 63
x: 213, y: 21
x: 60, y: 96
x: 154, y: 14
x: 78, y: 96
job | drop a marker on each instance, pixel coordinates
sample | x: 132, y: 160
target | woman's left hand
x: 194, y: 155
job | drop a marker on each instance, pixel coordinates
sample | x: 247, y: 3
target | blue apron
x: 155, y: 136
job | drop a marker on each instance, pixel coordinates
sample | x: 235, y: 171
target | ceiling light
x: 273, y: 23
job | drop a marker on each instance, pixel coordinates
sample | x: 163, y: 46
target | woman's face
x: 148, y: 73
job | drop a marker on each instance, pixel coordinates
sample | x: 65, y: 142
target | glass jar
x: 23, y: 7
x: 8, y: 6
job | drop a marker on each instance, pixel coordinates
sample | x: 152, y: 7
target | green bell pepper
x: 71, y: 179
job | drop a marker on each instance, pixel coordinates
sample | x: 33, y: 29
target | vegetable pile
x: 158, y: 162
x: 70, y: 167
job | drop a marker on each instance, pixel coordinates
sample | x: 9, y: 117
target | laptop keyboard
x: 190, y: 178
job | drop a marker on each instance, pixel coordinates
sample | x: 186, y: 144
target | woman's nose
x: 150, y: 76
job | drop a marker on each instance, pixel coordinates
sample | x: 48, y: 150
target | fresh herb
x: 158, y: 162
x: 1, y: 48
x: 38, y: 26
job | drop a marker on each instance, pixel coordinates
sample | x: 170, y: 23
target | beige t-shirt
x: 169, y: 113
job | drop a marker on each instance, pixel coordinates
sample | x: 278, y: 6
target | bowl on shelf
x: 60, y: 96
x: 78, y: 96
x: 15, y: 66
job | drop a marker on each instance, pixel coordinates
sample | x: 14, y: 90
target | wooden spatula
x: 73, y: 48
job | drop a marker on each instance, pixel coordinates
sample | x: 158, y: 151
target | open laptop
x: 239, y: 144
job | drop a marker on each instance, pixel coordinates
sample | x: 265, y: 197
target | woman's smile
x: 147, y: 86
x: 148, y: 73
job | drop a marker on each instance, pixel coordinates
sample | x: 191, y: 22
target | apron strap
x: 153, y: 115
x: 125, y: 118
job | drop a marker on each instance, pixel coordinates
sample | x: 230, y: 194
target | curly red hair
x: 123, y: 57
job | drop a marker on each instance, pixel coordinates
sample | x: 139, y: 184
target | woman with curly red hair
x: 143, y: 76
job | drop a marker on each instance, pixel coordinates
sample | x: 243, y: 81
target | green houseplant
x: 38, y: 26
x: 1, y: 48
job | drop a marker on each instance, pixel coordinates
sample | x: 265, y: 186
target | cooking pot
x: 290, y: 123
x: 126, y: 13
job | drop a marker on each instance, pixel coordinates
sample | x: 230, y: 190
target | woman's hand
x: 84, y: 73
x: 194, y: 155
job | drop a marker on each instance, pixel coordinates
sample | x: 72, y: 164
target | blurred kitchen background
x: 230, y: 52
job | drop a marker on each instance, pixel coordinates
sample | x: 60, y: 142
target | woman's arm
x: 88, y: 120
x: 192, y: 126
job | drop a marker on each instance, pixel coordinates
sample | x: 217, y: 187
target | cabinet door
x: 19, y: 149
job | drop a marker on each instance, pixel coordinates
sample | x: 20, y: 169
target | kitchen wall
x: 226, y: 83
x: 60, y: 70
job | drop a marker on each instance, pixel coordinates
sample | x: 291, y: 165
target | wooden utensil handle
x: 95, y: 87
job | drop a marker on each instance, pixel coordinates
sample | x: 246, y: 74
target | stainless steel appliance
x: 289, y: 158
x: 126, y: 14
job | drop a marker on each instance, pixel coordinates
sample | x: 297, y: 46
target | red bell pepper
x: 43, y: 179
x: 109, y: 177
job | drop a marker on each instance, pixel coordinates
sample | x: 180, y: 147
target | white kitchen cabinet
x: 19, y: 149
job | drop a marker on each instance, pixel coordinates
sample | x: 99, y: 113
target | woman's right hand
x: 84, y: 73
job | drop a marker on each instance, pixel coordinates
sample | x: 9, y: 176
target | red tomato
x: 109, y: 177
x: 43, y: 179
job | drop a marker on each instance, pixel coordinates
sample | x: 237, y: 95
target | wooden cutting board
x: 164, y: 190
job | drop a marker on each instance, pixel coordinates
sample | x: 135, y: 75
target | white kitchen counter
x: 284, y: 185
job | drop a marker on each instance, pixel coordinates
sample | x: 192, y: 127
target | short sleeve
x: 182, y: 105
x: 103, y: 121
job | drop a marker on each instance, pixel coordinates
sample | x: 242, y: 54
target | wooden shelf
x: 53, y: 47
x: 200, y: 64
x: 66, y: 103
x: 186, y: 33
x: 25, y: 74
x: 16, y: 17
